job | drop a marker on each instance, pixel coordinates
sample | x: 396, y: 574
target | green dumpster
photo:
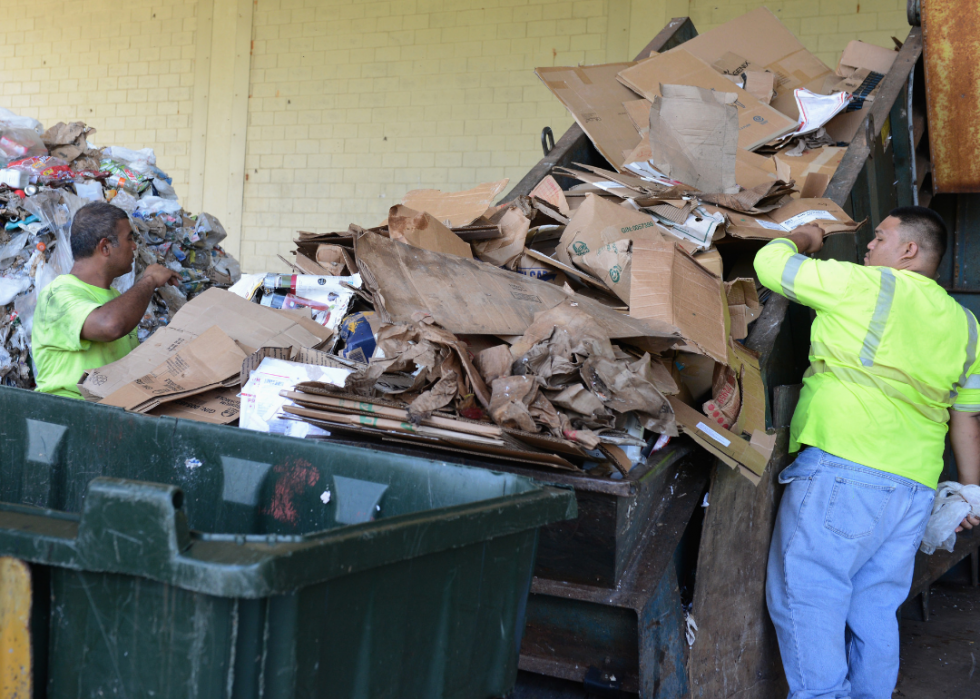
x: 179, y: 559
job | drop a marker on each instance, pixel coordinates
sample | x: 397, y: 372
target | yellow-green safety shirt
x: 60, y: 354
x: 890, y: 353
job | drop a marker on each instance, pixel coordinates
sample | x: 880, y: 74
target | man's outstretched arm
x: 964, y: 435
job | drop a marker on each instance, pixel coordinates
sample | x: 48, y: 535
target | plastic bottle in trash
x: 120, y: 182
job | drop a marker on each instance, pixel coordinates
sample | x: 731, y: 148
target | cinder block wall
x: 278, y: 115
x: 124, y: 68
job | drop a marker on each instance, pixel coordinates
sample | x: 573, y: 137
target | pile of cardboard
x: 45, y: 177
x: 576, y: 328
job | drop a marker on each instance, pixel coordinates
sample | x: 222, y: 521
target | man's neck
x: 92, y: 274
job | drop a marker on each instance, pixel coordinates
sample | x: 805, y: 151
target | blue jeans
x: 840, y: 565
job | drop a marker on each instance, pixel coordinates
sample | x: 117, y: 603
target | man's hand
x: 808, y: 237
x: 161, y: 276
x: 968, y: 523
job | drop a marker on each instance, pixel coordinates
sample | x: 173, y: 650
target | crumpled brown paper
x: 439, y: 362
x: 504, y: 251
x: 69, y: 142
x: 580, y: 373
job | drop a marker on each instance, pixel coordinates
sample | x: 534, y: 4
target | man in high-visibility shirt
x: 890, y: 353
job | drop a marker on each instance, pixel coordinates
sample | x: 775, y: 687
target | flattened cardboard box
x: 727, y: 446
x: 694, y: 137
x: 776, y: 224
x: 455, y: 209
x: 766, y: 44
x: 250, y: 324
x: 468, y: 297
x: 211, y: 360
x: 670, y: 286
x: 758, y: 123
x: 812, y: 171
x: 595, y: 99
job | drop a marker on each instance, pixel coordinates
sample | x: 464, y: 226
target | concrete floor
x: 940, y: 658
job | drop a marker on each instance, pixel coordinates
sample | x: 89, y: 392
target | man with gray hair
x: 81, y: 322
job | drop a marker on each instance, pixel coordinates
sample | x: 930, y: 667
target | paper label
x: 805, y: 217
x: 769, y: 225
x: 714, y: 435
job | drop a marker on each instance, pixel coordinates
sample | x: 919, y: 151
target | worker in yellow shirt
x: 893, y: 359
x: 82, y: 323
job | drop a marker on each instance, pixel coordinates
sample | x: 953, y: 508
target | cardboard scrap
x: 595, y: 99
x: 574, y: 364
x: 776, y: 224
x: 757, y: 200
x: 863, y: 66
x: 504, y: 251
x: 694, y: 136
x: 406, y: 280
x: 743, y: 305
x: 441, y: 370
x: 422, y: 230
x: 548, y: 190
x: 758, y: 123
x: 455, y: 209
x: 812, y: 170
x: 208, y: 361
x: 597, y: 240
x: 670, y: 286
x: 745, y: 363
x: 219, y: 406
x: 763, y: 43
x: 249, y: 324
x: 727, y: 446
x: 761, y: 84
x: 858, y: 55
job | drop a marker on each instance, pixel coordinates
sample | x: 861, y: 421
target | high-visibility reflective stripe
x: 876, y: 328
x: 929, y: 393
x: 972, y: 382
x: 863, y: 378
x: 783, y: 241
x: 967, y: 408
x: 971, y: 349
x: 788, y: 279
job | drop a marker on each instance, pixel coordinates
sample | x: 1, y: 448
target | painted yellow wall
x: 278, y: 115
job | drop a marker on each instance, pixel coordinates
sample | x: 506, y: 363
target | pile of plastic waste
x: 46, y: 176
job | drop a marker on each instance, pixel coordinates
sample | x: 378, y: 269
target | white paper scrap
x: 261, y: 405
x: 806, y: 217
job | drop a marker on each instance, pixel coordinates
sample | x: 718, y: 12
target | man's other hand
x: 968, y: 523
x: 161, y: 276
x: 808, y: 237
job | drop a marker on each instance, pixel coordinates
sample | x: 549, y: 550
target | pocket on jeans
x: 856, y: 507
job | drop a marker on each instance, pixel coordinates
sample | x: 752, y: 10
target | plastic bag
x: 14, y: 121
x: 954, y: 501
x: 150, y: 205
x: 57, y: 209
x: 20, y: 143
x: 44, y: 168
x: 139, y: 160
x: 11, y: 287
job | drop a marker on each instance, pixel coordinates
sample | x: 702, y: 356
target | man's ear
x: 909, y: 250
x: 104, y: 247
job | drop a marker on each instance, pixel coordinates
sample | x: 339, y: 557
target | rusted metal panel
x: 951, y: 29
x: 15, y: 633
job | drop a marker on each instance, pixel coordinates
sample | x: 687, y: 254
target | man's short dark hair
x: 92, y: 223
x: 924, y: 227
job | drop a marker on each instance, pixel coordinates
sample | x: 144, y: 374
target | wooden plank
x: 574, y: 145
x: 735, y: 653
